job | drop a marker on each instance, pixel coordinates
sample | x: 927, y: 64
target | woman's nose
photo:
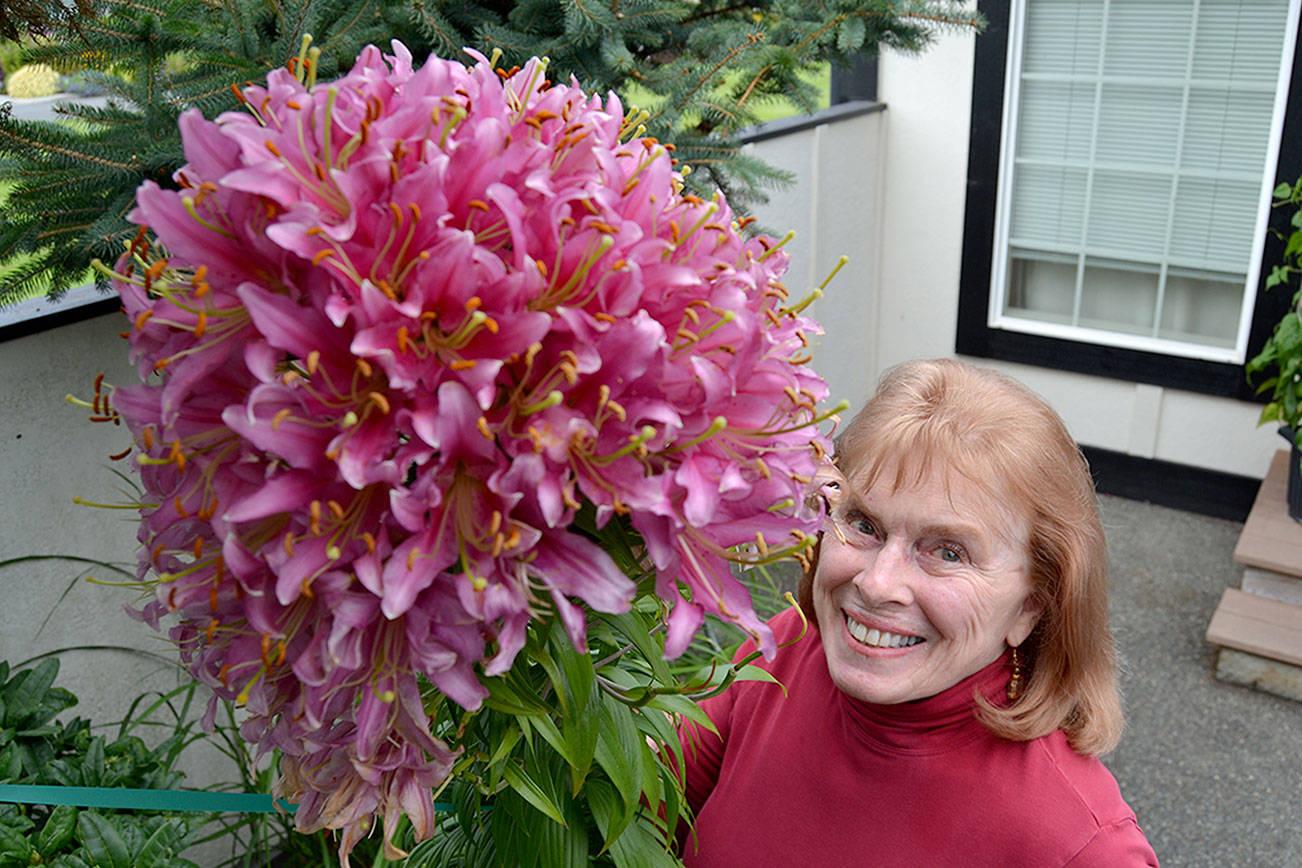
x: 885, y: 575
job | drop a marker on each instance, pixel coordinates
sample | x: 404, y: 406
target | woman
x: 956, y: 683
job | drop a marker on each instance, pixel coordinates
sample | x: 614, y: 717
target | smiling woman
x: 913, y: 595
x: 949, y: 697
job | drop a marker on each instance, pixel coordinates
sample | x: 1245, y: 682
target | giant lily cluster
x: 396, y: 332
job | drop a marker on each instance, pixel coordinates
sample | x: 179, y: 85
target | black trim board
x: 975, y: 338
x: 1179, y: 486
x: 110, y: 303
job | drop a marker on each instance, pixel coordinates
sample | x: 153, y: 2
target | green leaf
x: 506, y: 699
x: 24, y: 693
x: 70, y: 860
x: 92, y: 764
x: 552, y: 735
x: 684, y: 707
x: 505, y: 744
x: 102, y: 840
x: 633, y: 624
x: 57, y: 831
x: 159, y: 847
x: 619, y: 750
x: 640, y: 847
x: 529, y: 790
x: 579, y: 726
x: 14, y: 846
x: 751, y: 672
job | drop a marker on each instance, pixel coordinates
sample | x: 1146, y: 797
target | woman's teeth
x: 879, y: 638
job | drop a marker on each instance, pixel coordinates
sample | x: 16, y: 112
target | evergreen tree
x: 700, y: 67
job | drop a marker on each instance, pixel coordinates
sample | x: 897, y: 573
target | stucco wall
x: 834, y: 207
x: 49, y: 454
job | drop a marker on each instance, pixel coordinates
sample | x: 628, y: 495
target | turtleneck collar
x: 933, y: 725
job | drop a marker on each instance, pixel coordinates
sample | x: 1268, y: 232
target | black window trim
x: 976, y: 338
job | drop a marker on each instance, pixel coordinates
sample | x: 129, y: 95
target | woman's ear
x: 1026, y: 620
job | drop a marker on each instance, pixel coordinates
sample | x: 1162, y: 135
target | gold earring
x: 1014, y: 688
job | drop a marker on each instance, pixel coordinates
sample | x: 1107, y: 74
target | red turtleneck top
x: 814, y: 777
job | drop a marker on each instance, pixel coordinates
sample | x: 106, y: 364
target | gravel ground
x: 1213, y: 771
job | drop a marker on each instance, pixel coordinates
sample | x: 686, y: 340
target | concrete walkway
x: 1213, y: 771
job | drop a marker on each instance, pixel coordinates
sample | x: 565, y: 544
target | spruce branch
x: 703, y: 68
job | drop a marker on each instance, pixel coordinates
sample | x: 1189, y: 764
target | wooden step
x: 1258, y: 625
x: 1271, y: 540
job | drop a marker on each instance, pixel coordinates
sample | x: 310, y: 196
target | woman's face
x: 919, y: 587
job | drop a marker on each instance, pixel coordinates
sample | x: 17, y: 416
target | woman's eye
x: 950, y: 554
x: 862, y: 525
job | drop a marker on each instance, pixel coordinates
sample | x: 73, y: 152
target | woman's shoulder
x: 1081, y: 778
x: 1078, y: 800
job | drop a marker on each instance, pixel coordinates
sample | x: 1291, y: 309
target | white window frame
x: 997, y: 319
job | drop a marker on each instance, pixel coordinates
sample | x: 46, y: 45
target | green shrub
x: 37, y: 750
x: 33, y: 80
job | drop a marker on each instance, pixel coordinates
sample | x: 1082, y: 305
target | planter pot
x: 1294, y: 482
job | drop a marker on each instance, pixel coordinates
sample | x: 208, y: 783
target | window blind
x: 1140, y: 138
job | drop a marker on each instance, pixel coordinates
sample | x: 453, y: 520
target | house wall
x: 923, y: 151
x: 834, y: 208
x: 50, y: 454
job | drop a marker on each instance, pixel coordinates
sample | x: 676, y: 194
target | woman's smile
x: 878, y: 639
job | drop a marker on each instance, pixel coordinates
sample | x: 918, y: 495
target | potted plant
x: 1282, y: 354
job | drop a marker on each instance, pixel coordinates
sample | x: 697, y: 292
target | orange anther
x: 140, y: 320
x: 321, y: 254
x: 380, y: 401
x: 201, y: 324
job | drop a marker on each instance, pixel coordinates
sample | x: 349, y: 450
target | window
x: 1116, y: 224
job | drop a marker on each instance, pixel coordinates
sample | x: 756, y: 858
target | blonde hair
x: 997, y: 433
